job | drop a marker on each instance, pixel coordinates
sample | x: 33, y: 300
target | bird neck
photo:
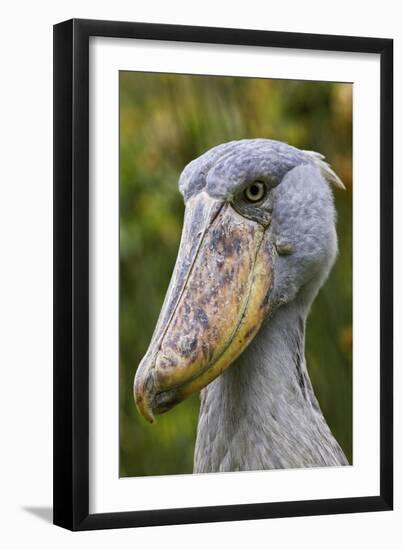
x: 262, y: 413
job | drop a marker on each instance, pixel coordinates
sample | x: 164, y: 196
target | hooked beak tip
x: 143, y: 397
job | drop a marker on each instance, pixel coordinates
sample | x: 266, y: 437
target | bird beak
x: 216, y: 301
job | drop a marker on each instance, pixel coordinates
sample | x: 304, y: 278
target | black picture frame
x: 71, y: 274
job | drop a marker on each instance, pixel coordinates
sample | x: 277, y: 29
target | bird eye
x: 255, y: 191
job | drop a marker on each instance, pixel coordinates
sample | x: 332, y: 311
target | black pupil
x: 254, y: 190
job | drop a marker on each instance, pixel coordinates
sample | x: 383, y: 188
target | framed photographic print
x: 222, y: 274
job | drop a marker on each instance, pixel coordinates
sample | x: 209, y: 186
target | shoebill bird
x: 258, y: 242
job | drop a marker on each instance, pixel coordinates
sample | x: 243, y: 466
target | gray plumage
x: 261, y: 413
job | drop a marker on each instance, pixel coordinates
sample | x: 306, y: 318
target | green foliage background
x: 165, y: 122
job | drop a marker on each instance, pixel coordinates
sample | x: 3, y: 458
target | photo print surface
x: 235, y: 274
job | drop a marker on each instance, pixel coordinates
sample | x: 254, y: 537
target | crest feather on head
x: 327, y: 172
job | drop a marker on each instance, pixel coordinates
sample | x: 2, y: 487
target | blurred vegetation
x: 165, y: 122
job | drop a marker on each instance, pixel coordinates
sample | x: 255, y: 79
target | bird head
x: 258, y: 233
